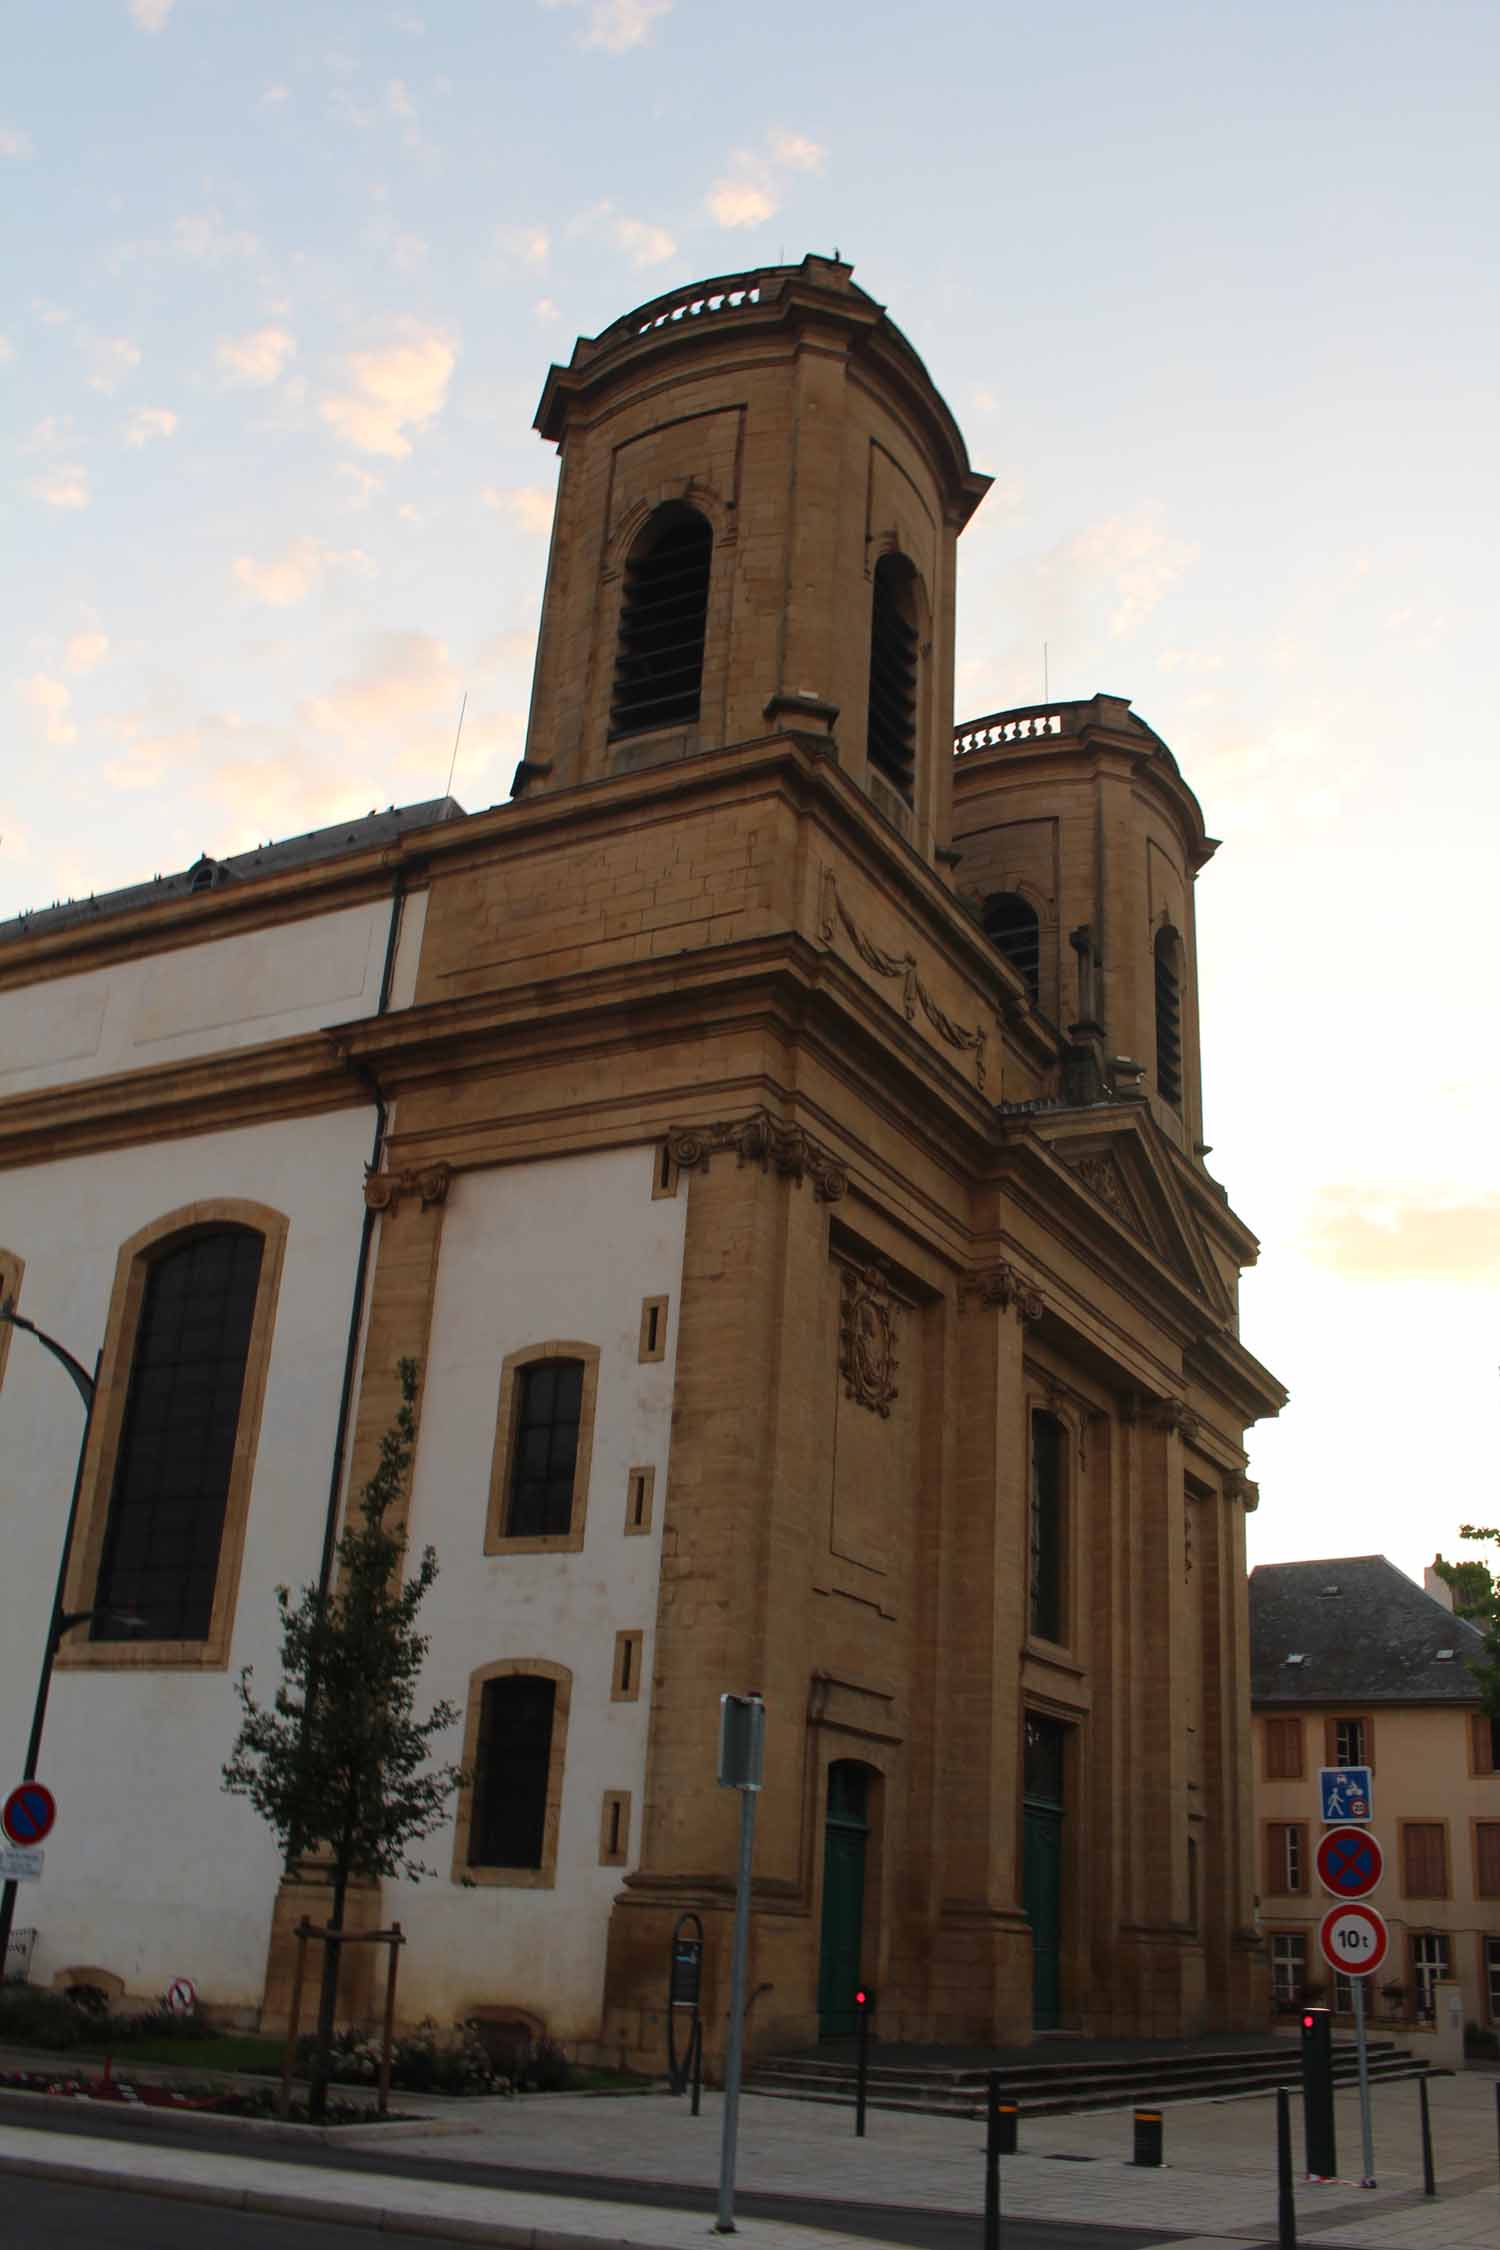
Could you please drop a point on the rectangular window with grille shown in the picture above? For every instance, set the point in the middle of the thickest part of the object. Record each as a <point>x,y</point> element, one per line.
<point>546,1449</point>
<point>1424,1859</point>
<point>1485,1742</point>
<point>1286,1857</point>
<point>1492,1976</point>
<point>1047,1441</point>
<point>1431,1962</point>
<point>1351,1742</point>
<point>1282,1742</point>
<point>1288,1966</point>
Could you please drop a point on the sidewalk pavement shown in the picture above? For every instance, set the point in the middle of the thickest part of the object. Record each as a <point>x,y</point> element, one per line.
<point>1216,2190</point>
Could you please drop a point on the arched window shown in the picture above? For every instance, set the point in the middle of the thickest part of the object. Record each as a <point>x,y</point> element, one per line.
<point>1015,930</point>
<point>167,1479</point>
<point>891,738</point>
<point>663,619</point>
<point>544,1434</point>
<point>160,1556</point>
<point>1169,1016</point>
<point>515,1744</point>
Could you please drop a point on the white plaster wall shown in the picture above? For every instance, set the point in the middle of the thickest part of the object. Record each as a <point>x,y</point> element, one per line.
<point>151,1870</point>
<point>564,1249</point>
<point>199,999</point>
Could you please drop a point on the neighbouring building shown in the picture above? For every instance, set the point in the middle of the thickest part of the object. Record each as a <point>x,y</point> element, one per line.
<point>1357,1665</point>
<point>777,1135</point>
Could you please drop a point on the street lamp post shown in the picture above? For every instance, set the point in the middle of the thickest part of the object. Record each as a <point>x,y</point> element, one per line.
<point>62,1620</point>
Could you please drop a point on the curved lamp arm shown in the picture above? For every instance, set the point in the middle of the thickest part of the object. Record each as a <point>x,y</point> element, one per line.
<point>81,1379</point>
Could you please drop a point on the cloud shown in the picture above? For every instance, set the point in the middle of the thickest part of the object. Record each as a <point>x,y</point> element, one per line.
<point>85,650</point>
<point>1373,1237</point>
<point>529,505</point>
<point>274,95</point>
<point>151,15</point>
<point>1139,562</point>
<point>257,358</point>
<point>289,578</point>
<point>644,245</point>
<point>398,100</point>
<point>364,482</point>
<point>113,357</point>
<point>523,245</point>
<point>13,142</point>
<point>53,701</point>
<point>615,25</point>
<point>404,386</point>
<point>204,240</point>
<point>7,350</point>
<point>66,486</point>
<point>749,192</point>
<point>544,310</point>
<point>405,684</point>
<point>149,422</point>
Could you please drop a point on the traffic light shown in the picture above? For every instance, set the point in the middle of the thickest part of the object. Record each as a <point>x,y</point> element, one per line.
<point>1317,2092</point>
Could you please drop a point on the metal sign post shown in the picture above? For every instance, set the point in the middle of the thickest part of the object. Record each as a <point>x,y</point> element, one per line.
<point>1353,1940</point>
<point>742,1753</point>
<point>1366,2127</point>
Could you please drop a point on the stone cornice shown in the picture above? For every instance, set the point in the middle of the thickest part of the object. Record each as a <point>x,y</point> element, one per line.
<point>760,1138</point>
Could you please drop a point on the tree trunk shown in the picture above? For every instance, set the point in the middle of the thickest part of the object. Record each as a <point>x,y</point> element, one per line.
<point>317,2092</point>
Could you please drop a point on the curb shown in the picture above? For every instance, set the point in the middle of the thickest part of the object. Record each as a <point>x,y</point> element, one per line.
<point>24,2107</point>
<point>268,2203</point>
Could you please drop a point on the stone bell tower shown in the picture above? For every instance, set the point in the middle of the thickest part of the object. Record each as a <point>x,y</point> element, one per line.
<point>1079,842</point>
<point>759,504</point>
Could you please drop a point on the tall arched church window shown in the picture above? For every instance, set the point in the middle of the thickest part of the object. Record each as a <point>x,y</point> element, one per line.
<point>1015,930</point>
<point>663,620</point>
<point>1169,1016</point>
<point>891,740</point>
<point>1048,1500</point>
<point>159,1561</point>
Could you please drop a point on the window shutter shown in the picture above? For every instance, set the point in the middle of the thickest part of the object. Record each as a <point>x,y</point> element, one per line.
<point>1484,1731</point>
<point>1487,1858</point>
<point>1424,1872</point>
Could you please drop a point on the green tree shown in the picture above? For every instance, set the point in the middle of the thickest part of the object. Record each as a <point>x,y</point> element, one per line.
<point>1482,1608</point>
<point>337,1763</point>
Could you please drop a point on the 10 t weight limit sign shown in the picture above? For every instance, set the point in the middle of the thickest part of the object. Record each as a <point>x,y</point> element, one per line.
<point>1353,1939</point>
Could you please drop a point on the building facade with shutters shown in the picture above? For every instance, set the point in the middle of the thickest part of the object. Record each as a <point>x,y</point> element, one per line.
<point>1357,1665</point>
<point>777,1135</point>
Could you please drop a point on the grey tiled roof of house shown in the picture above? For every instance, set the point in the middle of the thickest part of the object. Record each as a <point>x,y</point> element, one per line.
<point>208,874</point>
<point>1365,1634</point>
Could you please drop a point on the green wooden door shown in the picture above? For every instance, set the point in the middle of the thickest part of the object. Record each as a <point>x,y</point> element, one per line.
<point>1042,1792</point>
<point>845,1836</point>
<point>1043,1896</point>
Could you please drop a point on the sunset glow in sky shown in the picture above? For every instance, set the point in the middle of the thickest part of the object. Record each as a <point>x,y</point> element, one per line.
<point>1212,291</point>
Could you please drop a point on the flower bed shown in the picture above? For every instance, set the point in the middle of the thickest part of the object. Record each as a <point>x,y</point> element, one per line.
<point>131,2093</point>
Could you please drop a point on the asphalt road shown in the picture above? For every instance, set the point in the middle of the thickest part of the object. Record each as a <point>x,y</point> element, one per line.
<point>56,2215</point>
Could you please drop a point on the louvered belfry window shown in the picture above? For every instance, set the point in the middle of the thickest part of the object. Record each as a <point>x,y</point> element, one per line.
<point>160,1560</point>
<point>1169,1017</point>
<point>663,620</point>
<point>891,742</point>
<point>1013,928</point>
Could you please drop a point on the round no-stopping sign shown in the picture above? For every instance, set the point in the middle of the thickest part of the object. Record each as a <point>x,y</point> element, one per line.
<point>1350,1862</point>
<point>1353,1939</point>
<point>28,1813</point>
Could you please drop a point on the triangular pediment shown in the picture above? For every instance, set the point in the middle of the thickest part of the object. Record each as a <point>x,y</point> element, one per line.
<point>1130,1182</point>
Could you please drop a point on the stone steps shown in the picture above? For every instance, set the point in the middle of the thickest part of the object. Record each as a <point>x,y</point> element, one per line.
<point>1044,2089</point>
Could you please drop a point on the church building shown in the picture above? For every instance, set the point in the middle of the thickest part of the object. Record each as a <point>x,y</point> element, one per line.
<point>776,1133</point>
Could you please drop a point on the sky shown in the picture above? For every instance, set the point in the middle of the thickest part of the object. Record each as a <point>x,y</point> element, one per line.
<point>1211,290</point>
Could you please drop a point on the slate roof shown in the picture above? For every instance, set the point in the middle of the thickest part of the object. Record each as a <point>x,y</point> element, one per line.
<point>372,829</point>
<point>1375,1640</point>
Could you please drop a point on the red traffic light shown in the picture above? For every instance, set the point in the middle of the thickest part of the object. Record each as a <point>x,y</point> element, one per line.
<point>861,1999</point>
<point>1308,2022</point>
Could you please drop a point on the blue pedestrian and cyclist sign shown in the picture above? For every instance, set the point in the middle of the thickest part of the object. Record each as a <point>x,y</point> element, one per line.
<point>1346,1792</point>
<point>28,1813</point>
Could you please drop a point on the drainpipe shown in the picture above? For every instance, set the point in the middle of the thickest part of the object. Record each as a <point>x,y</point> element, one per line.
<point>362,1263</point>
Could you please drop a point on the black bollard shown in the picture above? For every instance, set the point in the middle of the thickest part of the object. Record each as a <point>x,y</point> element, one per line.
<point>992,2138</point>
<point>1286,2209</point>
<point>1147,2136</point>
<point>863,2002</point>
<point>697,2066</point>
<point>1429,2178</point>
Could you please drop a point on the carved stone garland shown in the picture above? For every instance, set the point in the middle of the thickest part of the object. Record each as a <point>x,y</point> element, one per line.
<point>765,1140</point>
<point>867,1339</point>
<point>832,911</point>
